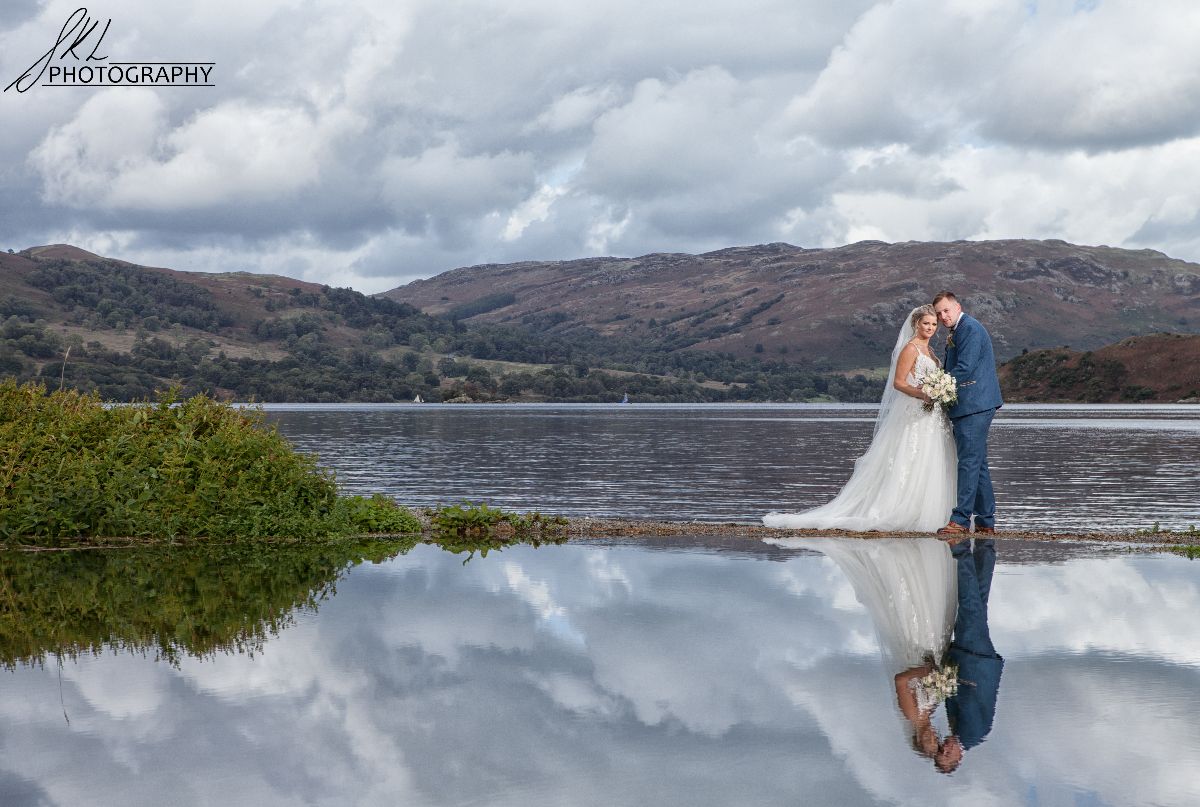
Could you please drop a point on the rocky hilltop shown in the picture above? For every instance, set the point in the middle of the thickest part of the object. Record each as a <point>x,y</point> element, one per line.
<point>836,307</point>
<point>1160,368</point>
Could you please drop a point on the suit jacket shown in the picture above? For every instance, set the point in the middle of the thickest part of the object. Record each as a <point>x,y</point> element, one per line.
<point>969,358</point>
<point>971,712</point>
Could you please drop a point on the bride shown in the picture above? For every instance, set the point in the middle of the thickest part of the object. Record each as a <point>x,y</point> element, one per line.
<point>906,481</point>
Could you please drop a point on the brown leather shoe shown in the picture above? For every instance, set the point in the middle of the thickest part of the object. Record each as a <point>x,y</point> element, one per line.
<point>952,528</point>
<point>985,530</point>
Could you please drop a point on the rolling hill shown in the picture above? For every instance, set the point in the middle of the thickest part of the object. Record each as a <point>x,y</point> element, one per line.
<point>771,322</point>
<point>837,307</point>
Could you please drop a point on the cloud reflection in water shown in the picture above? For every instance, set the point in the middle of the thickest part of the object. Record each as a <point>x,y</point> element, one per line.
<point>622,675</point>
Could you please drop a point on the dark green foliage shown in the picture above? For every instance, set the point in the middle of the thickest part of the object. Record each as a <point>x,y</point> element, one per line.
<point>377,514</point>
<point>30,338</point>
<point>70,467</point>
<point>481,306</point>
<point>1089,380</point>
<point>173,601</point>
<point>120,294</point>
<point>467,518</point>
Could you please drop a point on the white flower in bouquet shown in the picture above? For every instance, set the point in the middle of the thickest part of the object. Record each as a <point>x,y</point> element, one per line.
<point>941,683</point>
<point>941,387</point>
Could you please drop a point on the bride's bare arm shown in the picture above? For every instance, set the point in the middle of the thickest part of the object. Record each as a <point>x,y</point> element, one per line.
<point>905,698</point>
<point>904,367</point>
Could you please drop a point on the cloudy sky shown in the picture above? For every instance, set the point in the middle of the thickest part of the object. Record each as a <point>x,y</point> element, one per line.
<point>371,142</point>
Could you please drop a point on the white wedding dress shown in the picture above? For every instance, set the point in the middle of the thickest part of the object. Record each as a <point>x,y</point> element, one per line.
<point>907,479</point>
<point>909,586</point>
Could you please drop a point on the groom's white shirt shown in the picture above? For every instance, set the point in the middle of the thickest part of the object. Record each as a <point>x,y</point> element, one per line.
<point>960,316</point>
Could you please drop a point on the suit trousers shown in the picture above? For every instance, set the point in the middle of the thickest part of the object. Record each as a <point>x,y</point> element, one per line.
<point>975,496</point>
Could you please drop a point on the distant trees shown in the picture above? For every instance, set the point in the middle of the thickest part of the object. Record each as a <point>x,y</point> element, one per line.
<point>122,295</point>
<point>316,327</point>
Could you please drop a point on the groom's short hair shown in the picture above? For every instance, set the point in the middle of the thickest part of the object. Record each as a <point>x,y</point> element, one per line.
<point>944,295</point>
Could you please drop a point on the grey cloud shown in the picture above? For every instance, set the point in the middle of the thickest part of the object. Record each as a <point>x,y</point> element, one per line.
<point>432,135</point>
<point>1079,81</point>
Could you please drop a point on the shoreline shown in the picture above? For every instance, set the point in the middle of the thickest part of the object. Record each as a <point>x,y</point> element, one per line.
<point>630,528</point>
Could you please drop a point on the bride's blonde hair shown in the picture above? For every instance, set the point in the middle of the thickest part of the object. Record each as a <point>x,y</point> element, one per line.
<point>920,314</point>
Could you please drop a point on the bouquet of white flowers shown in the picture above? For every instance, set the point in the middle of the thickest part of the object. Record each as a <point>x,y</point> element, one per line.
<point>941,387</point>
<point>941,683</point>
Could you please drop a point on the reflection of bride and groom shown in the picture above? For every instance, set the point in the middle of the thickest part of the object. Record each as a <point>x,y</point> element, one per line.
<point>928,599</point>
<point>930,611</point>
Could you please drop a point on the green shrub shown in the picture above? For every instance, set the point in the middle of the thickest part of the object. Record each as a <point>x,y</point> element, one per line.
<point>479,519</point>
<point>378,514</point>
<point>70,466</point>
<point>466,517</point>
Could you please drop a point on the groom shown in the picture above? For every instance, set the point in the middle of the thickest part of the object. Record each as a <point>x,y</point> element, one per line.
<point>969,358</point>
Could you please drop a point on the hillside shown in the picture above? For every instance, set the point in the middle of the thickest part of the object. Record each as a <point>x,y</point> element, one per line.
<point>74,318</point>
<point>1161,368</point>
<point>838,307</point>
<point>586,335</point>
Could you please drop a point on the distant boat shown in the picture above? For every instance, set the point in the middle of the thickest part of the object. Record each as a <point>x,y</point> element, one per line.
<point>418,399</point>
<point>626,398</point>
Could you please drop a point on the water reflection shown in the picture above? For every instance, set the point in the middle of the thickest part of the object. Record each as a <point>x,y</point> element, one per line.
<point>623,675</point>
<point>929,607</point>
<point>169,601</point>
<point>972,709</point>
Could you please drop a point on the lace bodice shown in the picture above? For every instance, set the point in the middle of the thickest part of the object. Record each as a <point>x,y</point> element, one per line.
<point>923,367</point>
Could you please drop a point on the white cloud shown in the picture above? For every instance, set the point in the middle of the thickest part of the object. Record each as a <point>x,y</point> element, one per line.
<point>113,131</point>
<point>577,108</point>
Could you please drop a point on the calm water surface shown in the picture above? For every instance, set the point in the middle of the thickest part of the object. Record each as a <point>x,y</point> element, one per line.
<point>617,673</point>
<point>1055,467</point>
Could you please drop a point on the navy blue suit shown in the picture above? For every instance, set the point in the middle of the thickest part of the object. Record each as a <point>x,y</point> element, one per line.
<point>972,710</point>
<point>969,358</point>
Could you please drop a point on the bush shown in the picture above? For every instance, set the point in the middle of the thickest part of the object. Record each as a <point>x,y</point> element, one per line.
<point>71,467</point>
<point>378,514</point>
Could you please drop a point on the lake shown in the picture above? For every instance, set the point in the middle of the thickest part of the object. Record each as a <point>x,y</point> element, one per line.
<point>1055,467</point>
<point>681,671</point>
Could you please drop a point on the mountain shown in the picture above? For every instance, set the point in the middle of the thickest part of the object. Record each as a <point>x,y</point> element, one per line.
<point>1160,368</point>
<point>660,327</point>
<point>73,318</point>
<point>837,307</point>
